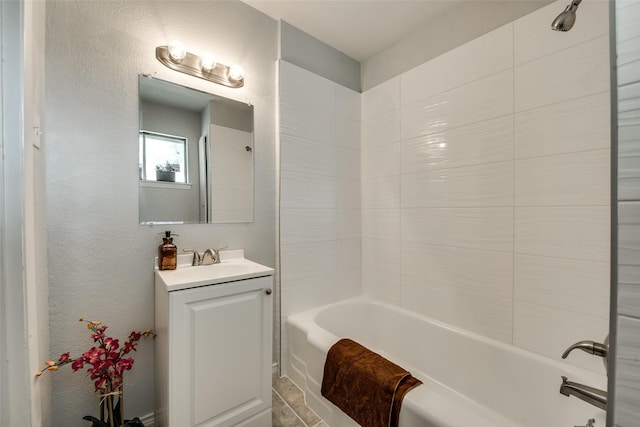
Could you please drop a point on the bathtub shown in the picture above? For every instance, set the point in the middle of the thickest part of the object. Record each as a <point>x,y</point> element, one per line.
<point>469,380</point>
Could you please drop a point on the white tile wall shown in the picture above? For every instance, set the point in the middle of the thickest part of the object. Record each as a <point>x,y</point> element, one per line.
<point>319,216</point>
<point>478,192</point>
<point>627,378</point>
<point>499,207</point>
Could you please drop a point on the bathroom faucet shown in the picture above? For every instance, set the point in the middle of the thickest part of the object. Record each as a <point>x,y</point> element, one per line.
<point>590,347</point>
<point>196,257</point>
<point>212,256</point>
<point>591,395</point>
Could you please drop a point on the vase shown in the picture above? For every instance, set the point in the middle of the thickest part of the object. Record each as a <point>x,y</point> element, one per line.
<point>167,176</point>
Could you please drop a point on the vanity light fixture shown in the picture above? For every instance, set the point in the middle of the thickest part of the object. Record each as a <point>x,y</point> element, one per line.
<point>206,67</point>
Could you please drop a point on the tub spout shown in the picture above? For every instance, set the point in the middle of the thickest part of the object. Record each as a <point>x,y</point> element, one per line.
<point>591,395</point>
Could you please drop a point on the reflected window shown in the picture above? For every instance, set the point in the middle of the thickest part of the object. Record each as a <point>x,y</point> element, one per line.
<point>163,158</point>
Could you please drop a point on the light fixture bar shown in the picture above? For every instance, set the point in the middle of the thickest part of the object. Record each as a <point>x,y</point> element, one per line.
<point>191,64</point>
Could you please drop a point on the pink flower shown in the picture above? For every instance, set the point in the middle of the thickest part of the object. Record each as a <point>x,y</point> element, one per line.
<point>77,364</point>
<point>100,384</point>
<point>64,357</point>
<point>111,344</point>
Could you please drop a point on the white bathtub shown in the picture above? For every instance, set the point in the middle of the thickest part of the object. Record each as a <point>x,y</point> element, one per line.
<point>469,380</point>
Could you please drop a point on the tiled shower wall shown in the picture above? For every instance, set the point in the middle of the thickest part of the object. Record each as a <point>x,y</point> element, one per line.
<point>485,185</point>
<point>627,409</point>
<point>319,191</point>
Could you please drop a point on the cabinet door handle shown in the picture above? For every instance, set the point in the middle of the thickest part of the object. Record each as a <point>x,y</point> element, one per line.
<point>267,291</point>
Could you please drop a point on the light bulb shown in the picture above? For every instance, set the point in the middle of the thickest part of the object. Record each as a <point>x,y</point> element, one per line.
<point>177,51</point>
<point>235,72</point>
<point>208,61</point>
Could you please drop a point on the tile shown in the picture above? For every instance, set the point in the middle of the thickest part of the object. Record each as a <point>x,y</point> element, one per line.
<point>381,130</point>
<point>381,285</point>
<point>383,192</point>
<point>282,415</point>
<point>627,52</point>
<point>627,371</point>
<point>469,186</point>
<point>628,297</point>
<point>479,312</point>
<point>381,99</point>
<point>556,283</point>
<point>294,397</point>
<point>307,225</point>
<point>309,123</point>
<point>381,270</point>
<point>627,21</point>
<point>550,331</point>
<point>348,223</point>
<point>348,283</point>
<point>484,271</point>
<point>307,259</point>
<point>487,141</point>
<point>629,105</point>
<point>307,156</point>
<point>347,254</point>
<point>577,125</point>
<point>564,180</point>
<point>304,89</point>
<point>584,71</point>
<point>381,255</point>
<point>305,293</point>
<point>473,228</point>
<point>533,39</point>
<point>628,233</point>
<point>381,224</point>
<point>564,232</point>
<point>307,191</point>
<point>347,133</point>
<point>347,102</point>
<point>477,101</point>
<point>381,161</point>
<point>628,72</point>
<point>347,193</point>
<point>347,163</point>
<point>481,57</point>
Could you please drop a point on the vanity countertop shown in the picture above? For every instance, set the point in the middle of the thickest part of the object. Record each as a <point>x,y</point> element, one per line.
<point>233,266</point>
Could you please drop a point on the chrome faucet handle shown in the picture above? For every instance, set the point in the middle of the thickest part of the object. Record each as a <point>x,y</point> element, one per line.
<point>217,251</point>
<point>196,257</point>
<point>209,257</point>
<point>591,347</point>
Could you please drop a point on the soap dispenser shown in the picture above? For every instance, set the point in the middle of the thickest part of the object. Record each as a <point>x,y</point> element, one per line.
<point>167,253</point>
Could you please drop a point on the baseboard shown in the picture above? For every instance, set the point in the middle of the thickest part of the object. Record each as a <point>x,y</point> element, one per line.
<point>148,420</point>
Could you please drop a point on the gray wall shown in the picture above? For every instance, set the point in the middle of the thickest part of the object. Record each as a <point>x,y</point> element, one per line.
<point>305,51</point>
<point>627,361</point>
<point>100,258</point>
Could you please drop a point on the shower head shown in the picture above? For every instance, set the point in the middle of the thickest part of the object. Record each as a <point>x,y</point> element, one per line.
<point>565,21</point>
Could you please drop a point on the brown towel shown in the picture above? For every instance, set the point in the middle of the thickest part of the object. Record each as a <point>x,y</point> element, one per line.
<point>365,385</point>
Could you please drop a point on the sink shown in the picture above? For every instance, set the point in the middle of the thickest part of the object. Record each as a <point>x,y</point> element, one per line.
<point>233,266</point>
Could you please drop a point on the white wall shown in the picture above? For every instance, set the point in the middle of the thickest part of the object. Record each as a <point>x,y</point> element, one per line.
<point>319,191</point>
<point>627,381</point>
<point>24,334</point>
<point>100,259</point>
<point>485,185</point>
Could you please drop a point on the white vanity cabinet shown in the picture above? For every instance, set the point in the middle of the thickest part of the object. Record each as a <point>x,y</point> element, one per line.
<point>213,347</point>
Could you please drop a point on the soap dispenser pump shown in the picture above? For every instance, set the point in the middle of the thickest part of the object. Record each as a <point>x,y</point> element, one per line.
<point>167,253</point>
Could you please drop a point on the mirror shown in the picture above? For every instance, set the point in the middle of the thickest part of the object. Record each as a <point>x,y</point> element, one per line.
<point>195,156</point>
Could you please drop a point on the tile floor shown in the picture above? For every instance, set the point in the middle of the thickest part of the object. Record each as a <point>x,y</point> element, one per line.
<point>289,408</point>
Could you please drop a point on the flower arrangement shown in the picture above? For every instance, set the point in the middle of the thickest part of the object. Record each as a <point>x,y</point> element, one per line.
<point>106,363</point>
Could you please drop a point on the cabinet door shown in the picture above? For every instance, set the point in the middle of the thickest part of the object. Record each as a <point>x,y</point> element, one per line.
<point>220,353</point>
